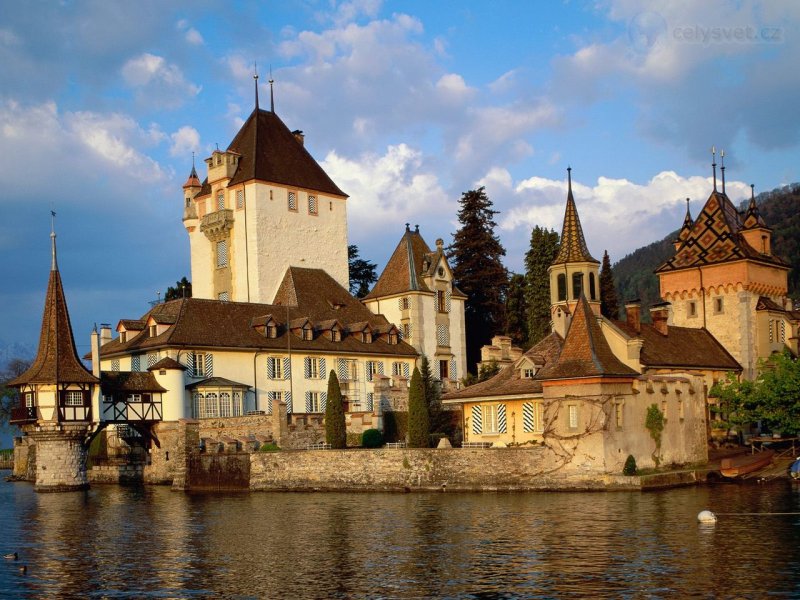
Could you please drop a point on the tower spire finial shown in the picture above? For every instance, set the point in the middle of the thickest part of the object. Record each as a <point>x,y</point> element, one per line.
<point>753,193</point>
<point>714,165</point>
<point>271,96</point>
<point>255,79</point>
<point>722,168</point>
<point>54,264</point>
<point>569,179</point>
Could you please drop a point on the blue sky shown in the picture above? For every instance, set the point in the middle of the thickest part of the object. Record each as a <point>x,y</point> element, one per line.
<point>406,105</point>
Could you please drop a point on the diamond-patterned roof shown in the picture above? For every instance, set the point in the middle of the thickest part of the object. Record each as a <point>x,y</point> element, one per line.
<point>715,238</point>
<point>572,247</point>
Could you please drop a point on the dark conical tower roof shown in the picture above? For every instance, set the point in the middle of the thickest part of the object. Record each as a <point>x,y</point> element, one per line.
<point>686,228</point>
<point>752,218</point>
<point>572,247</point>
<point>56,360</point>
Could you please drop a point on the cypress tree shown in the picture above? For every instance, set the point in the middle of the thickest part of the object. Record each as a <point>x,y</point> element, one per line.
<point>418,420</point>
<point>517,311</point>
<point>475,256</point>
<point>335,426</point>
<point>542,253</point>
<point>609,303</point>
<point>433,396</point>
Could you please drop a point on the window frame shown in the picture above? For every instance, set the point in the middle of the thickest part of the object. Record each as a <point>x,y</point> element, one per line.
<point>277,367</point>
<point>490,425</point>
<point>313,205</point>
<point>292,195</point>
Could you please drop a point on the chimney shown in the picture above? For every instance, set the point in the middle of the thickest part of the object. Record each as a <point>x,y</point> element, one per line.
<point>633,312</point>
<point>95,352</point>
<point>659,313</point>
<point>105,333</point>
<point>299,136</point>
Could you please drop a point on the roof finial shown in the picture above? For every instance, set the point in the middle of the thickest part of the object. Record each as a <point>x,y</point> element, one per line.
<point>54,264</point>
<point>722,168</point>
<point>687,207</point>
<point>194,171</point>
<point>408,226</point>
<point>714,165</point>
<point>255,79</point>
<point>416,228</point>
<point>752,192</point>
<point>271,95</point>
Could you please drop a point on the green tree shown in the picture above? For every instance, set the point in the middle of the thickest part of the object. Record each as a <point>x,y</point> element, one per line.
<point>609,304</point>
<point>488,370</point>
<point>335,425</point>
<point>418,418</point>
<point>736,404</point>
<point>431,389</point>
<point>542,253</point>
<point>777,393</point>
<point>9,398</point>
<point>517,311</point>
<point>182,289</point>
<point>475,256</point>
<point>362,273</point>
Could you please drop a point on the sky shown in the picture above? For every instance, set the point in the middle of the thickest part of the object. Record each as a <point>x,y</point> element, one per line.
<point>405,104</point>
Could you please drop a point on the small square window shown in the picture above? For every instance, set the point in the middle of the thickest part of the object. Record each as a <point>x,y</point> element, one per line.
<point>293,201</point>
<point>718,306</point>
<point>221,201</point>
<point>691,308</point>
<point>313,206</point>
<point>240,199</point>
<point>528,373</point>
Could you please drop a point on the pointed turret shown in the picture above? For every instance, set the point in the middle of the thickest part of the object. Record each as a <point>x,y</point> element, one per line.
<point>574,271</point>
<point>686,228</point>
<point>754,228</point>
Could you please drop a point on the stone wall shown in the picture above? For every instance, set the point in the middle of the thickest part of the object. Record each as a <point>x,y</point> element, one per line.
<point>24,458</point>
<point>124,473</point>
<point>408,469</point>
<point>220,472</point>
<point>60,456</point>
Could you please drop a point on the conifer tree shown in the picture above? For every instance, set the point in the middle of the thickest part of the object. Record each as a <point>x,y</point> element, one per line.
<point>418,419</point>
<point>433,395</point>
<point>517,311</point>
<point>609,304</point>
<point>475,256</point>
<point>542,253</point>
<point>335,425</point>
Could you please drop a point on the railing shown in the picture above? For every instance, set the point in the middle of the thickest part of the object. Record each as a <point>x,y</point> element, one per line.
<point>318,446</point>
<point>476,444</point>
<point>6,459</point>
<point>121,411</point>
<point>23,414</point>
<point>396,445</point>
<point>217,221</point>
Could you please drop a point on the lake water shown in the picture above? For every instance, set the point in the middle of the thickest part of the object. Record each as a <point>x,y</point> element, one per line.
<point>131,542</point>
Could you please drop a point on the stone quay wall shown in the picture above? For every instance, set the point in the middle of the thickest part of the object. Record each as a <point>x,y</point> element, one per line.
<point>420,469</point>
<point>60,456</point>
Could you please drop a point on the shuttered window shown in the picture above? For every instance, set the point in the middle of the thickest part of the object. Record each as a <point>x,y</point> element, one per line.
<point>222,253</point>
<point>240,199</point>
<point>293,201</point>
<point>528,418</point>
<point>313,206</point>
<point>477,420</point>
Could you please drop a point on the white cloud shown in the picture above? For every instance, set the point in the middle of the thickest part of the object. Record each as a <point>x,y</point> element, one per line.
<point>185,140</point>
<point>190,34</point>
<point>158,82</point>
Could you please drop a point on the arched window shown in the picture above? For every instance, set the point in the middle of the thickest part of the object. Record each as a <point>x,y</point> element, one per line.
<point>199,405</point>
<point>212,409</point>
<point>237,404</point>
<point>592,287</point>
<point>577,285</point>
<point>224,404</point>
<point>562,287</point>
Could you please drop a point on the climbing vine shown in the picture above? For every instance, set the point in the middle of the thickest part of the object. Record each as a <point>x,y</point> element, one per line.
<point>654,422</point>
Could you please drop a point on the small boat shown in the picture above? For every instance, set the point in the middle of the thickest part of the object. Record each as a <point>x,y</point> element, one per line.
<point>794,470</point>
<point>746,463</point>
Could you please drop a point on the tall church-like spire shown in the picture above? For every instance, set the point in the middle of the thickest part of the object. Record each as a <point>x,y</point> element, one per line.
<point>572,246</point>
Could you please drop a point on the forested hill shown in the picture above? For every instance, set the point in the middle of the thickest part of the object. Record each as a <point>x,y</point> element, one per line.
<point>780,208</point>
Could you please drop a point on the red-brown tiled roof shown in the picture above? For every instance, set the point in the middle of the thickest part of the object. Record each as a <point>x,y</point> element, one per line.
<point>214,324</point>
<point>586,352</point>
<point>270,152</point>
<point>508,381</point>
<point>682,347</point>
<point>56,359</point>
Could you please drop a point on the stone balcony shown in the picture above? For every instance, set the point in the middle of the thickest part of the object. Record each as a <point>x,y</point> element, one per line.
<point>216,224</point>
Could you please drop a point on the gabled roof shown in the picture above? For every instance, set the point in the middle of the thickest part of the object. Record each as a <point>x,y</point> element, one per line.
<point>129,381</point>
<point>411,261</point>
<point>681,348</point>
<point>508,381</point>
<point>715,238</point>
<point>586,352</point>
<point>270,152</point>
<point>167,363</point>
<point>572,246</point>
<point>130,325</point>
<point>56,359</point>
<point>203,323</point>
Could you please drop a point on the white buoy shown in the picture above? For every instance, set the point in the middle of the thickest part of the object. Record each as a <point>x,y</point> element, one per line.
<point>706,516</point>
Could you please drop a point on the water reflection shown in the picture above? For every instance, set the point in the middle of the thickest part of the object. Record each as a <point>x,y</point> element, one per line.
<point>113,541</point>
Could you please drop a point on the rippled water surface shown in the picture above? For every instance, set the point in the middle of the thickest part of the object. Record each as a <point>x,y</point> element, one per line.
<point>128,542</point>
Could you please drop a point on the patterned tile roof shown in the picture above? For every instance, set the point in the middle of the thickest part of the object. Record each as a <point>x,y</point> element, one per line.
<point>572,246</point>
<point>586,352</point>
<point>270,152</point>
<point>309,294</point>
<point>56,359</point>
<point>686,228</point>
<point>752,218</point>
<point>715,238</point>
<point>509,381</point>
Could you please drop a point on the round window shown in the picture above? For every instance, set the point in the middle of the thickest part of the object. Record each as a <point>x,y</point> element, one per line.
<point>441,271</point>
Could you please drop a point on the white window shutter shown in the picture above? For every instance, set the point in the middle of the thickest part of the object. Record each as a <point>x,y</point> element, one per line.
<point>370,401</point>
<point>501,418</point>
<point>287,367</point>
<point>453,374</point>
<point>527,417</point>
<point>323,401</point>
<point>406,369</point>
<point>270,368</point>
<point>209,365</point>
<point>190,362</point>
<point>269,402</point>
<point>288,403</point>
<point>380,368</point>
<point>323,373</point>
<point>307,367</point>
<point>308,402</point>
<point>447,301</point>
<point>477,420</point>
<point>342,370</point>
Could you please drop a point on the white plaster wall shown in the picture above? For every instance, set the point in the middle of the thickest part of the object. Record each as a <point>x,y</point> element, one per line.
<point>201,263</point>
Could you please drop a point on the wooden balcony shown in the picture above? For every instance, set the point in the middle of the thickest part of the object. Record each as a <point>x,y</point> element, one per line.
<point>21,415</point>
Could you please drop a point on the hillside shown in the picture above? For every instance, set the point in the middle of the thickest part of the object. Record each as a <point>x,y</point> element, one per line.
<point>634,275</point>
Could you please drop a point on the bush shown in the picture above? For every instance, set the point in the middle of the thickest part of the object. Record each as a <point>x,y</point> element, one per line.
<point>630,466</point>
<point>372,438</point>
<point>269,447</point>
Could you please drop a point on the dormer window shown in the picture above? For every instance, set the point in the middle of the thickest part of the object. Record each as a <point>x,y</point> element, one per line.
<point>366,337</point>
<point>308,334</point>
<point>123,337</point>
<point>392,339</point>
<point>271,330</point>
<point>528,372</point>
<point>336,335</point>
<point>153,330</point>
<point>441,271</point>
